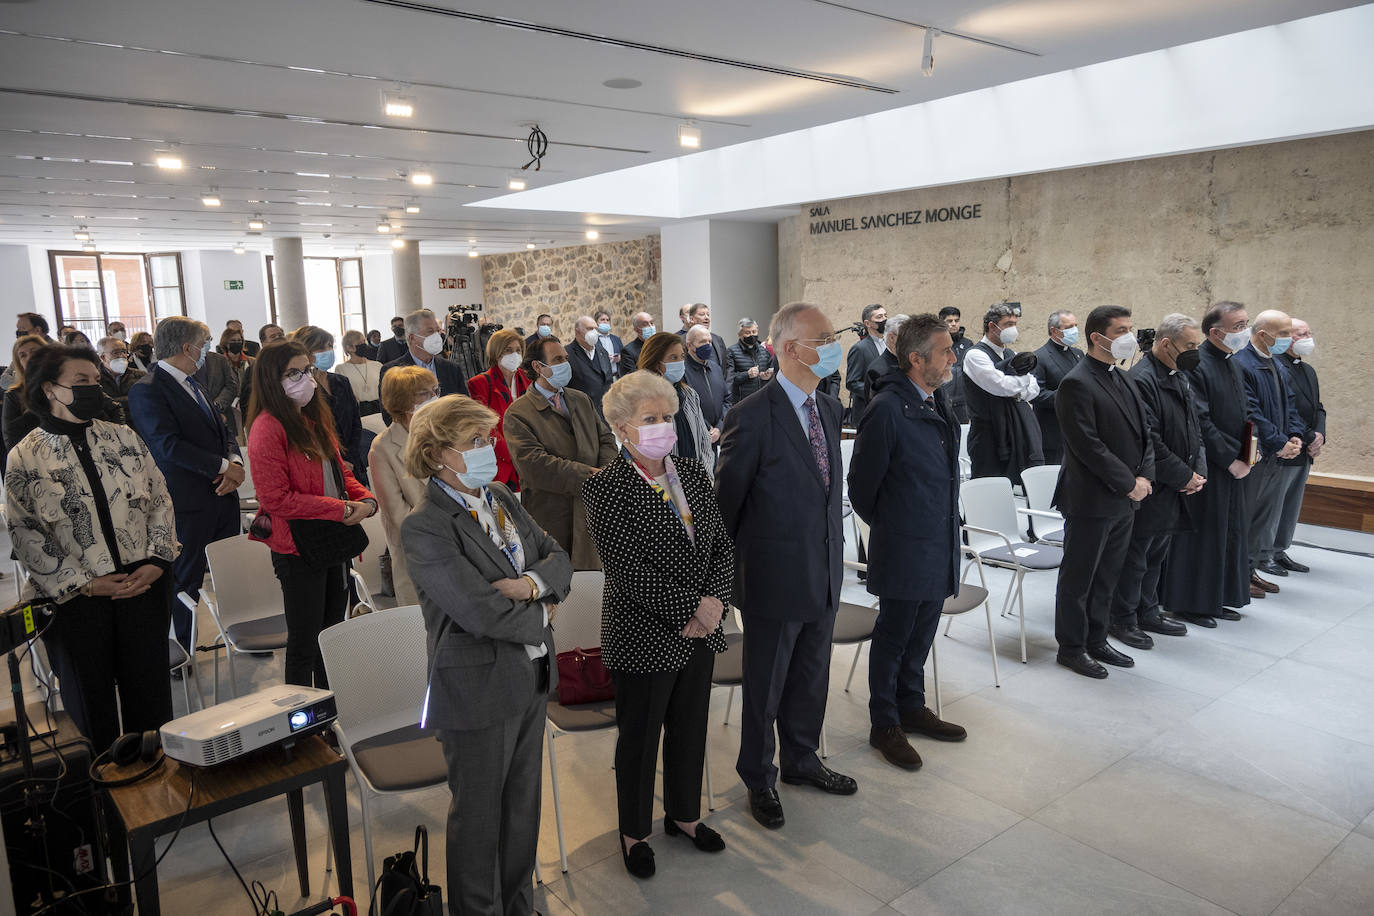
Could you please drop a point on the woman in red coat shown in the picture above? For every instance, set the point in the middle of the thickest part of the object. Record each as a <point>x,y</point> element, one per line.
<point>497,388</point>
<point>299,473</point>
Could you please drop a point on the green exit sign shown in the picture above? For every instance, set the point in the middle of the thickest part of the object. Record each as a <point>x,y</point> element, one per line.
<point>233,284</point>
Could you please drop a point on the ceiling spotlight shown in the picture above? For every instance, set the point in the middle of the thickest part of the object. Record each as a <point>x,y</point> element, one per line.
<point>239,249</point>
<point>398,105</point>
<point>167,159</point>
<point>688,136</point>
<point>398,242</point>
<point>256,223</point>
<point>81,235</point>
<point>211,199</point>
<point>515,183</point>
<point>529,246</point>
<point>472,252</point>
<point>928,54</point>
<point>412,206</point>
<point>88,247</point>
<point>383,226</point>
<point>593,235</point>
<point>423,179</point>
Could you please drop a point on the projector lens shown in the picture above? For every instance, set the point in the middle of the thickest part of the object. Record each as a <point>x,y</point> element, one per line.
<point>299,719</point>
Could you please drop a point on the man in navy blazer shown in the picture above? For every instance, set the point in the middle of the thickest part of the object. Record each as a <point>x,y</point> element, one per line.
<point>779,483</point>
<point>193,449</point>
<point>904,482</point>
<point>424,342</point>
<point>592,372</point>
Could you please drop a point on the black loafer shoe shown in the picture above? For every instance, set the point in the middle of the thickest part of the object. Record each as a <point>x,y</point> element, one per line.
<point>1134,637</point>
<point>766,808</point>
<point>705,839</point>
<point>1109,656</point>
<point>1271,569</point>
<point>1198,620</point>
<point>1165,626</point>
<point>1082,664</point>
<point>1227,614</point>
<point>639,860</point>
<point>1287,562</point>
<point>925,722</point>
<point>825,779</point>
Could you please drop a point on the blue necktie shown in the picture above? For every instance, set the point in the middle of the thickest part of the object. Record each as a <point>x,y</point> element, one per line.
<point>200,397</point>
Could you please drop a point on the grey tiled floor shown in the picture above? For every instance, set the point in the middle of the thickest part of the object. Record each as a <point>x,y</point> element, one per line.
<point>1230,771</point>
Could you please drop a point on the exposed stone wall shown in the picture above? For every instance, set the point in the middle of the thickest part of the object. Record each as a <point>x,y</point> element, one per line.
<point>621,277</point>
<point>1284,225</point>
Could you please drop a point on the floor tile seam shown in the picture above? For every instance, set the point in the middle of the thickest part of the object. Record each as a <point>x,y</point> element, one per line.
<point>1297,887</point>
<point>1310,724</point>
<point>1132,672</point>
<point>1316,636</point>
<point>1020,818</point>
<point>1104,768</point>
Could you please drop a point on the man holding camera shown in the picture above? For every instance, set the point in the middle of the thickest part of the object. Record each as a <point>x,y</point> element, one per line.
<point>1004,436</point>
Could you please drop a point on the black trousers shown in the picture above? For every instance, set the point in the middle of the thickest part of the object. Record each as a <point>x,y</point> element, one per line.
<point>312,599</point>
<point>98,645</point>
<point>675,703</point>
<point>896,661</point>
<point>1137,587</point>
<point>786,683</point>
<point>195,530</point>
<point>1094,550</point>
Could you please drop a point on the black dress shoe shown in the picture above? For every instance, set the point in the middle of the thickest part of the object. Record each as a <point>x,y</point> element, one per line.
<point>1198,620</point>
<point>1287,562</point>
<point>1082,664</point>
<point>896,750</point>
<point>766,808</point>
<point>639,859</point>
<point>1227,614</point>
<point>925,722</point>
<point>825,779</point>
<point>1134,637</point>
<point>1109,656</point>
<point>1271,569</point>
<point>1165,626</point>
<point>705,839</point>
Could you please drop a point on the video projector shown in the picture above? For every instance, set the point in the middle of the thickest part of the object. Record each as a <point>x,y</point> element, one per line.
<point>272,716</point>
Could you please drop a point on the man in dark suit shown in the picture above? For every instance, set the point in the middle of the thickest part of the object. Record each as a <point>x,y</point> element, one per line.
<point>424,343</point>
<point>394,347</point>
<point>1180,471</point>
<point>1108,465</point>
<point>881,369</point>
<point>904,481</point>
<point>543,327</point>
<point>1055,358</point>
<point>779,486</point>
<point>644,329</point>
<point>861,354</point>
<point>954,388</point>
<point>194,451</point>
<point>1307,396</point>
<point>705,376</point>
<point>592,372</point>
<point>610,342</point>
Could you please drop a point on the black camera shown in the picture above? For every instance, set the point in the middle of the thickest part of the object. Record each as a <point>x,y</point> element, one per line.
<point>1145,337</point>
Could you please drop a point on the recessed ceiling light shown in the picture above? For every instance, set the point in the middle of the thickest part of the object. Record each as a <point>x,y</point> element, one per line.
<point>689,136</point>
<point>383,226</point>
<point>515,183</point>
<point>529,246</point>
<point>472,252</point>
<point>167,160</point>
<point>88,247</point>
<point>622,82</point>
<point>413,206</point>
<point>398,243</point>
<point>398,105</point>
<point>422,179</point>
<point>82,235</point>
<point>472,241</point>
<point>239,249</point>
<point>593,235</point>
<point>256,223</point>
<point>211,198</point>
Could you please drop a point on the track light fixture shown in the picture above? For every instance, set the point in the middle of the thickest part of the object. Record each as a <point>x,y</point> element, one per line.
<point>472,252</point>
<point>383,225</point>
<point>412,206</point>
<point>529,246</point>
<point>239,249</point>
<point>398,242</point>
<point>257,224</point>
<point>928,53</point>
<point>398,105</point>
<point>82,234</point>
<point>593,235</point>
<point>89,247</point>
<point>211,198</point>
<point>421,179</point>
<point>515,183</point>
<point>688,136</point>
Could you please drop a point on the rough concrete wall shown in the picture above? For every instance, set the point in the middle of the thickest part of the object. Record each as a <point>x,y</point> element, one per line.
<point>621,277</point>
<point>789,260</point>
<point>1285,225</point>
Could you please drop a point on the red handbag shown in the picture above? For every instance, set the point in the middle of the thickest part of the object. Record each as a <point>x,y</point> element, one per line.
<point>583,678</point>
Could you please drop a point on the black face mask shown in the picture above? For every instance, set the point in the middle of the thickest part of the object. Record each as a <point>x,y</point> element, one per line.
<point>882,327</point>
<point>751,341</point>
<point>399,333</point>
<point>1187,359</point>
<point>235,346</point>
<point>88,401</point>
<point>144,352</point>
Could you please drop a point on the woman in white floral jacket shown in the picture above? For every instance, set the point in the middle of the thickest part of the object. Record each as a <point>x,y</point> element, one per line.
<point>92,524</point>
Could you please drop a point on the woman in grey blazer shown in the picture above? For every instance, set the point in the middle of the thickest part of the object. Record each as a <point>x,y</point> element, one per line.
<point>488,578</point>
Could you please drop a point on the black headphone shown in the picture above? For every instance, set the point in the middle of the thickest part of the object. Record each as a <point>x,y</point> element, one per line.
<point>130,748</point>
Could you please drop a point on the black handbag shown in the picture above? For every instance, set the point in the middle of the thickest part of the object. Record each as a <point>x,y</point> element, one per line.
<point>322,543</point>
<point>403,888</point>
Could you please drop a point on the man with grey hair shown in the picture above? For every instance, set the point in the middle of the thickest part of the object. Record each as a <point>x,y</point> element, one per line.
<point>779,487</point>
<point>1307,395</point>
<point>644,329</point>
<point>748,360</point>
<point>705,376</point>
<point>1054,360</point>
<point>116,375</point>
<point>193,449</point>
<point>886,363</point>
<point>699,313</point>
<point>999,386</point>
<point>592,371</point>
<point>424,346</point>
<point>1161,378</point>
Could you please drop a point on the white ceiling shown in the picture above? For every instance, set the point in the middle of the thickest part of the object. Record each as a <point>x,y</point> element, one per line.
<point>73,108</point>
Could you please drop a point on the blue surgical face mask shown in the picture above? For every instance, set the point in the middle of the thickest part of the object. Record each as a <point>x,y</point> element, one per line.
<point>545,330</point>
<point>646,333</point>
<point>604,327</point>
<point>324,361</point>
<point>481,464</point>
<point>562,374</point>
<point>830,355</point>
<point>673,371</point>
<point>204,352</point>
<point>704,352</point>
<point>1071,337</point>
<point>1281,345</point>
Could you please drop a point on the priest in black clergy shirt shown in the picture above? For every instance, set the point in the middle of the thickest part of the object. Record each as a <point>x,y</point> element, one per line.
<point>1056,357</point>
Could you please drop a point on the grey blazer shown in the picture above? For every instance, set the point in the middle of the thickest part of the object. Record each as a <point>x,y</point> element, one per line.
<point>482,673</point>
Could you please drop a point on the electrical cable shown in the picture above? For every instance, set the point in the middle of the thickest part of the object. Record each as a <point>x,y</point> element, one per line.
<point>538,144</point>
<point>267,899</point>
<point>257,911</point>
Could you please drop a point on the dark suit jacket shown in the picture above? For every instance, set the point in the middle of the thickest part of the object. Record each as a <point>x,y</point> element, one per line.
<point>187,444</point>
<point>390,348</point>
<point>904,482</point>
<point>1220,393</point>
<point>590,375</point>
<point>655,576</point>
<point>450,377</point>
<point>1307,397</point>
<point>482,673</point>
<point>1106,442</point>
<point>1054,363</point>
<point>789,540</point>
<point>629,356</point>
<point>1177,441</point>
<point>708,382</point>
<point>861,355</point>
<point>1269,400</point>
<point>877,377</point>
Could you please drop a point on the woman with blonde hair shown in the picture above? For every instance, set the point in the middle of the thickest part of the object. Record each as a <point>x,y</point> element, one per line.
<point>404,390</point>
<point>496,388</point>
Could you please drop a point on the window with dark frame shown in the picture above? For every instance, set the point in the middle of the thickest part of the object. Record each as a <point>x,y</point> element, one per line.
<point>90,290</point>
<point>352,302</point>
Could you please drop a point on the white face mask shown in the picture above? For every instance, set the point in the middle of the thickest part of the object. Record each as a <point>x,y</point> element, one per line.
<point>1125,346</point>
<point>1009,335</point>
<point>434,344</point>
<point>1236,339</point>
<point>1305,346</point>
<point>590,338</point>
<point>511,361</point>
<point>118,366</point>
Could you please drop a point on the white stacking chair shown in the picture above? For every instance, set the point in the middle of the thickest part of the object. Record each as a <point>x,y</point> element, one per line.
<point>248,495</point>
<point>368,568</point>
<point>375,423</point>
<point>178,659</point>
<point>965,462</point>
<point>376,667</point>
<point>245,601</point>
<point>994,534</point>
<point>969,597</point>
<point>1039,483</point>
<point>728,672</point>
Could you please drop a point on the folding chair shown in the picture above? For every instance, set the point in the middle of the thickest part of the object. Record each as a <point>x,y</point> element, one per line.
<point>369,565</point>
<point>244,600</point>
<point>248,496</point>
<point>965,462</point>
<point>728,672</point>
<point>1039,483</point>
<point>178,659</point>
<point>969,597</point>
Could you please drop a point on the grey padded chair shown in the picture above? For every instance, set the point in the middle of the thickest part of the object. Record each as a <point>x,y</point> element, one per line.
<point>245,601</point>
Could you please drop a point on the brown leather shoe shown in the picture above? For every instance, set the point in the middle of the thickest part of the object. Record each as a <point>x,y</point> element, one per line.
<point>1265,584</point>
<point>1256,591</point>
<point>896,750</point>
<point>925,722</point>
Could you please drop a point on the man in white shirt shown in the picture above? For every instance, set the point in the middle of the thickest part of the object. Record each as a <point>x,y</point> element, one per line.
<point>1004,436</point>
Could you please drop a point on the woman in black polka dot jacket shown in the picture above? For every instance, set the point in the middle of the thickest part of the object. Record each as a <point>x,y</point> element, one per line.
<point>669,565</point>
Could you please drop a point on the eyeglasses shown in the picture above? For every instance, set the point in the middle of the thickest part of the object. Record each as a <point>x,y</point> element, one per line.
<point>295,375</point>
<point>477,442</point>
<point>119,354</point>
<point>426,393</point>
<point>807,341</point>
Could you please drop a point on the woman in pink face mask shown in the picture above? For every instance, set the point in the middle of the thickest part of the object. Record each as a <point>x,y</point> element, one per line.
<point>669,565</point>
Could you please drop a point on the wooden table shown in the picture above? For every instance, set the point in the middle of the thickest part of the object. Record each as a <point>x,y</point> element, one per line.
<point>157,806</point>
